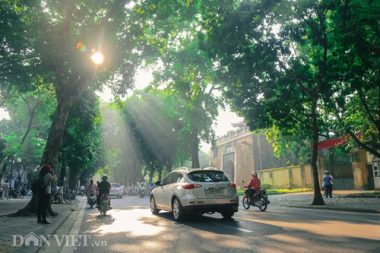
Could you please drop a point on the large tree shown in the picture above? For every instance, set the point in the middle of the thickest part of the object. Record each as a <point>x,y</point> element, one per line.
<point>60,37</point>
<point>154,118</point>
<point>354,61</point>
<point>188,74</point>
<point>295,66</point>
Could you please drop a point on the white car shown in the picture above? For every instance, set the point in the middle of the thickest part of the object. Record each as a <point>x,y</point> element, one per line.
<point>117,190</point>
<point>195,191</point>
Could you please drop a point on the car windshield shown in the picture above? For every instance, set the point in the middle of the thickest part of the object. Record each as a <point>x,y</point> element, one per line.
<point>115,185</point>
<point>207,176</point>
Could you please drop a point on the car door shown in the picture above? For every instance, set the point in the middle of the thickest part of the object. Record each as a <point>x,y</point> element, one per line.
<point>160,191</point>
<point>171,188</point>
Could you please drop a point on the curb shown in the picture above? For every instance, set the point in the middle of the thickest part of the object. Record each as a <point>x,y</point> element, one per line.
<point>50,230</point>
<point>333,208</point>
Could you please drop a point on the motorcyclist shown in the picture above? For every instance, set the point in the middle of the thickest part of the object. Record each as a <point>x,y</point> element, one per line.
<point>104,188</point>
<point>254,185</point>
<point>141,184</point>
<point>91,193</point>
<point>91,189</point>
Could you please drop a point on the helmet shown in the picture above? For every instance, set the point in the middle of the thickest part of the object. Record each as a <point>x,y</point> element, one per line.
<point>104,177</point>
<point>254,173</point>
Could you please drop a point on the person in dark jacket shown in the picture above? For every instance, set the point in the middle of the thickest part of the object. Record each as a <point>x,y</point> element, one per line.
<point>104,187</point>
<point>328,184</point>
<point>47,177</point>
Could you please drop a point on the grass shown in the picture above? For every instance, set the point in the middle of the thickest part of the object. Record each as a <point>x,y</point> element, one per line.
<point>279,191</point>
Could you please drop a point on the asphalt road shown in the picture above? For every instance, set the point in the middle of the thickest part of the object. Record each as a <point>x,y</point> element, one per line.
<point>130,227</point>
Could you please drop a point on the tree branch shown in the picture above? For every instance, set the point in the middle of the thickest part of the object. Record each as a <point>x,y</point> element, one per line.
<point>367,110</point>
<point>355,138</point>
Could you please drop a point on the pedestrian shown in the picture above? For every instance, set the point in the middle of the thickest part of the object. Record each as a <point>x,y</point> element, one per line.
<point>46,178</point>
<point>97,193</point>
<point>6,190</point>
<point>327,184</point>
<point>23,191</point>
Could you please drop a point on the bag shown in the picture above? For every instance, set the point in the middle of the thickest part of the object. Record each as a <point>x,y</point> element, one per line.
<point>323,184</point>
<point>38,186</point>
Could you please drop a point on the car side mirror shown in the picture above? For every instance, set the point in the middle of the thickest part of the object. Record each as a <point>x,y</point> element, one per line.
<point>158,183</point>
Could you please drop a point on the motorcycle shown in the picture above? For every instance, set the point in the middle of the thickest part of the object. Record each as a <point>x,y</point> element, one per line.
<point>142,193</point>
<point>260,200</point>
<point>104,200</point>
<point>58,195</point>
<point>91,200</point>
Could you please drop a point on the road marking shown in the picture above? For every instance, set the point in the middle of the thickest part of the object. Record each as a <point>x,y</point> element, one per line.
<point>76,228</point>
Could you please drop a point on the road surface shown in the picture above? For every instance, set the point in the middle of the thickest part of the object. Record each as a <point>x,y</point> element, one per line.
<point>130,227</point>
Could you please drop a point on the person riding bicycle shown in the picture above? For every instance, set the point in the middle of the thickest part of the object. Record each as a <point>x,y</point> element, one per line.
<point>253,186</point>
<point>104,188</point>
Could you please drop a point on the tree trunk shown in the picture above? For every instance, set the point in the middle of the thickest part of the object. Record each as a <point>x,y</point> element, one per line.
<point>57,131</point>
<point>318,200</point>
<point>151,169</point>
<point>194,150</point>
<point>52,149</point>
<point>159,173</point>
<point>73,180</point>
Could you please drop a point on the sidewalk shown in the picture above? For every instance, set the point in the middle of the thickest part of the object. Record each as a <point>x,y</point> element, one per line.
<point>8,206</point>
<point>15,228</point>
<point>343,200</point>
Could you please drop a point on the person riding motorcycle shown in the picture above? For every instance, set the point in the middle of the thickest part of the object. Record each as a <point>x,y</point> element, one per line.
<point>91,193</point>
<point>91,189</point>
<point>104,188</point>
<point>253,186</point>
<point>141,184</point>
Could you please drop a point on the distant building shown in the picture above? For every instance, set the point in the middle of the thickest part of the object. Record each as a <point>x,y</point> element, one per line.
<point>240,152</point>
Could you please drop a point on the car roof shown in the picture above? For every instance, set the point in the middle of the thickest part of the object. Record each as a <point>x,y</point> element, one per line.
<point>188,170</point>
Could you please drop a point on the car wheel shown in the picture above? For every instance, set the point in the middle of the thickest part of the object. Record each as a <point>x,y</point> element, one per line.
<point>177,209</point>
<point>153,207</point>
<point>227,214</point>
<point>246,202</point>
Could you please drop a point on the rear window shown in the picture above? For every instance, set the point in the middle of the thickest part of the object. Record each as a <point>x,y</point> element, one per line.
<point>207,176</point>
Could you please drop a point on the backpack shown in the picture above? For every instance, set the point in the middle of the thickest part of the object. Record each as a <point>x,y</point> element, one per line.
<point>38,186</point>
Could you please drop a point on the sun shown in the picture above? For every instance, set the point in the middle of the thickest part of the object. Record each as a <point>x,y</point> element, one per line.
<point>97,58</point>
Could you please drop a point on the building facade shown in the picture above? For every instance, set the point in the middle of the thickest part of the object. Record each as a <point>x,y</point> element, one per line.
<point>239,152</point>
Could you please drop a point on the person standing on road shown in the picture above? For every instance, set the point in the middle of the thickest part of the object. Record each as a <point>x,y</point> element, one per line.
<point>47,177</point>
<point>328,184</point>
<point>254,185</point>
<point>6,190</point>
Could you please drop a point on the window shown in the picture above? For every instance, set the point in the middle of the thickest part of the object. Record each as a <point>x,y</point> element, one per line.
<point>228,149</point>
<point>207,176</point>
<point>172,178</point>
<point>166,180</point>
